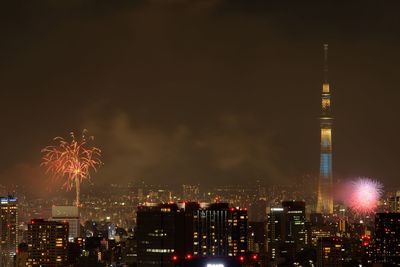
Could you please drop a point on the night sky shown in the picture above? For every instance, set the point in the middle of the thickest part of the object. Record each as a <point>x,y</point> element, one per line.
<point>200,91</point>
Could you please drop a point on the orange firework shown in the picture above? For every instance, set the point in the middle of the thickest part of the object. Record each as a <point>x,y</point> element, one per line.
<point>71,161</point>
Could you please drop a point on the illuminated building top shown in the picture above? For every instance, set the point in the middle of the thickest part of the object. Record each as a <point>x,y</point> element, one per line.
<point>6,200</point>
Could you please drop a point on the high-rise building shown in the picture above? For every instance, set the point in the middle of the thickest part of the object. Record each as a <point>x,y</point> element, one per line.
<point>325,198</point>
<point>47,243</point>
<point>220,231</point>
<point>317,228</point>
<point>294,224</point>
<point>162,232</point>
<point>274,232</point>
<point>329,252</point>
<point>286,231</point>
<point>387,238</point>
<point>168,233</point>
<point>130,251</point>
<point>257,239</point>
<point>69,214</point>
<point>315,232</point>
<point>8,230</point>
<point>395,202</point>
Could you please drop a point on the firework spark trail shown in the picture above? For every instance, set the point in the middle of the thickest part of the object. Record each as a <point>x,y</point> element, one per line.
<point>363,195</point>
<point>71,161</point>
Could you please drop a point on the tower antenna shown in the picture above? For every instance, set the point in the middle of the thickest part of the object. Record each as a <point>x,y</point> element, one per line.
<point>325,63</point>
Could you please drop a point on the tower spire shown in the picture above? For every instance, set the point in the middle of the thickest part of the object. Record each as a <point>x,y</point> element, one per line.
<point>326,63</point>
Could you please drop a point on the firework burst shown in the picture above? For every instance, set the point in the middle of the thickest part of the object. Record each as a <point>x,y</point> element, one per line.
<point>71,160</point>
<point>363,195</point>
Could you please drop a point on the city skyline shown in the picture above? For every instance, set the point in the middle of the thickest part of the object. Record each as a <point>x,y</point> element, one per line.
<point>199,133</point>
<point>202,105</point>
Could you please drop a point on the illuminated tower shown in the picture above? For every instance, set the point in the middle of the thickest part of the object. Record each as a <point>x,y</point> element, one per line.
<point>325,198</point>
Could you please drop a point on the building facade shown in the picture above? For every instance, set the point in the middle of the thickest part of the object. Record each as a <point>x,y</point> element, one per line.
<point>329,252</point>
<point>69,214</point>
<point>294,231</point>
<point>168,234</point>
<point>274,232</point>
<point>47,243</point>
<point>8,230</point>
<point>387,238</point>
<point>395,202</point>
<point>220,231</point>
<point>163,231</point>
<point>286,231</point>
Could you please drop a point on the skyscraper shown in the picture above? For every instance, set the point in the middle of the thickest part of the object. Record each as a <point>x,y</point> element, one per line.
<point>220,231</point>
<point>387,238</point>
<point>275,227</point>
<point>325,199</point>
<point>395,202</point>
<point>163,231</point>
<point>171,233</point>
<point>69,214</point>
<point>286,231</point>
<point>329,252</point>
<point>47,243</point>
<point>8,230</point>
<point>294,223</point>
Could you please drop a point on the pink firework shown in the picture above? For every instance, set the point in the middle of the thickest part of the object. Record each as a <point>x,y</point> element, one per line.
<point>363,195</point>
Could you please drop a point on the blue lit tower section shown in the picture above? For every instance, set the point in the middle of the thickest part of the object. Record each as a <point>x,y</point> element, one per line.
<point>325,198</point>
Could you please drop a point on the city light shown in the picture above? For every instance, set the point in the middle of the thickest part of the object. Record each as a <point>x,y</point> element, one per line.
<point>230,138</point>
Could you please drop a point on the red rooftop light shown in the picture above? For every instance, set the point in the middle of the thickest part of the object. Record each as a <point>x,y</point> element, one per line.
<point>174,258</point>
<point>241,258</point>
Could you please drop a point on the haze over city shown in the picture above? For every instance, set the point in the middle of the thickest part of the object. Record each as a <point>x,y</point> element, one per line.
<point>208,92</point>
